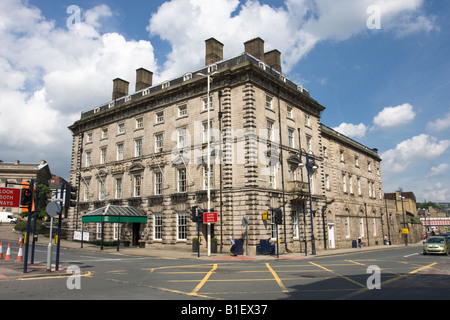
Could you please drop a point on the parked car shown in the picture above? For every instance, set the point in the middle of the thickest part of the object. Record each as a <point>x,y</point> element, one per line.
<point>7,217</point>
<point>436,244</point>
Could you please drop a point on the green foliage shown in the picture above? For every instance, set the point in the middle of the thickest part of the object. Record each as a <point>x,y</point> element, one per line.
<point>425,205</point>
<point>21,226</point>
<point>44,191</point>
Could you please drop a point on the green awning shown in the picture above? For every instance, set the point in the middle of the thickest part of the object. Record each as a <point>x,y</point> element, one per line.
<point>115,214</point>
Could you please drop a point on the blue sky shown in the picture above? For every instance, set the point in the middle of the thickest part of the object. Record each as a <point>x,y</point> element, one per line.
<point>386,87</point>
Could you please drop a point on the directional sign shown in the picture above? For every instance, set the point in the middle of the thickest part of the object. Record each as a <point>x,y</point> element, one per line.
<point>10,197</point>
<point>210,217</point>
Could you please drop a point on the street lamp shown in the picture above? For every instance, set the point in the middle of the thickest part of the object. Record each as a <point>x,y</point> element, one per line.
<point>208,170</point>
<point>309,170</point>
<point>403,210</point>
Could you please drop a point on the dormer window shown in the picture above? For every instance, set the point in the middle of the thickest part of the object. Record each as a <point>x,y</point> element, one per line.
<point>187,76</point>
<point>212,68</point>
<point>165,85</point>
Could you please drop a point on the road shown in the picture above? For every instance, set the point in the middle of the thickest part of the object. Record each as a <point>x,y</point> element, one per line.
<point>400,274</point>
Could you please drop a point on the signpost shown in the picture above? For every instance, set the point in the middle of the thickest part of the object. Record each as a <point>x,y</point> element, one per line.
<point>10,197</point>
<point>210,217</point>
<point>53,209</point>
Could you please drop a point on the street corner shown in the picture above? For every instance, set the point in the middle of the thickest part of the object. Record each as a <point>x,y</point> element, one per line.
<point>13,270</point>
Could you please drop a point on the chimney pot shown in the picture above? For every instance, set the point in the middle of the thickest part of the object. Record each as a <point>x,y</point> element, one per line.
<point>120,88</point>
<point>273,59</point>
<point>214,51</point>
<point>255,47</point>
<point>144,79</point>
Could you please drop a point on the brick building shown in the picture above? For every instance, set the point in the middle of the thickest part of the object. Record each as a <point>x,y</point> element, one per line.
<point>148,150</point>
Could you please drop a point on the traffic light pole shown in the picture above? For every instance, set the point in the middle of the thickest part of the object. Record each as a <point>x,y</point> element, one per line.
<point>36,202</point>
<point>59,231</point>
<point>30,206</point>
<point>278,249</point>
<point>198,236</point>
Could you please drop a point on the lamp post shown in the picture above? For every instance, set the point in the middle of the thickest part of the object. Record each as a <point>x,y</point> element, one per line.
<point>403,210</point>
<point>308,168</point>
<point>208,170</point>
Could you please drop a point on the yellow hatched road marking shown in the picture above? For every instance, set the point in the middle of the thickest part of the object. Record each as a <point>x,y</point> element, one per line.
<point>341,276</point>
<point>388,281</point>
<point>200,285</point>
<point>277,279</point>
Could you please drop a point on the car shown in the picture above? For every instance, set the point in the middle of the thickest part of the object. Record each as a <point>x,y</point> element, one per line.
<point>436,244</point>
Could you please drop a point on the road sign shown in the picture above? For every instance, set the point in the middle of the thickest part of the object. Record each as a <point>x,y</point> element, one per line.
<point>53,209</point>
<point>10,197</point>
<point>210,217</point>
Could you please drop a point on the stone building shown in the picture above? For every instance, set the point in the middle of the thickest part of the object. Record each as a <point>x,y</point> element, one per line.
<point>402,214</point>
<point>353,189</point>
<point>13,173</point>
<point>149,150</point>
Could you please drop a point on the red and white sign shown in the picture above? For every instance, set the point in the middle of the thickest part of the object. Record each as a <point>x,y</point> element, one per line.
<point>210,217</point>
<point>9,197</point>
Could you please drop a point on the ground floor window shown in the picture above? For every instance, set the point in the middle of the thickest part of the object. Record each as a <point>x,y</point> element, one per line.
<point>374,224</point>
<point>115,231</point>
<point>182,226</point>
<point>98,233</point>
<point>361,227</point>
<point>295,224</point>
<point>347,227</point>
<point>273,225</point>
<point>157,226</point>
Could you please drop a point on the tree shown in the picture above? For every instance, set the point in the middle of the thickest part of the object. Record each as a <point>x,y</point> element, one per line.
<point>425,205</point>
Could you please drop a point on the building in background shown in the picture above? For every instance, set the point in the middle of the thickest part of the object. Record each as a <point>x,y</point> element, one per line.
<point>402,214</point>
<point>13,173</point>
<point>149,150</point>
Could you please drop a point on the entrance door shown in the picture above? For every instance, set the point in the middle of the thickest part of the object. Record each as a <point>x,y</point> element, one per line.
<point>136,229</point>
<point>331,243</point>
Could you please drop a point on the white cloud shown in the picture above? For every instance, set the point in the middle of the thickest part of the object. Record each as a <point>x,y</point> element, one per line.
<point>437,192</point>
<point>439,170</point>
<point>391,117</point>
<point>55,73</point>
<point>294,29</point>
<point>410,24</point>
<point>440,124</point>
<point>418,149</point>
<point>352,130</point>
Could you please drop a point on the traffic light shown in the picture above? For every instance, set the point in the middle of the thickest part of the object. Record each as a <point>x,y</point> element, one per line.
<point>194,214</point>
<point>71,194</point>
<point>200,215</point>
<point>278,216</point>
<point>26,196</point>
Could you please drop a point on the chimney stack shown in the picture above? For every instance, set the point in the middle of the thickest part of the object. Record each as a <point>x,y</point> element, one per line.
<point>120,88</point>
<point>273,59</point>
<point>214,51</point>
<point>144,79</point>
<point>255,47</point>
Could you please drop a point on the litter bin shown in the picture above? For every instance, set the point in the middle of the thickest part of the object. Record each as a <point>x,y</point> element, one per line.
<point>354,244</point>
<point>239,246</point>
<point>265,247</point>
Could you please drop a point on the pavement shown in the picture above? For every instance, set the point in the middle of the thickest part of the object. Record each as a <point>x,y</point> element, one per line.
<point>11,269</point>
